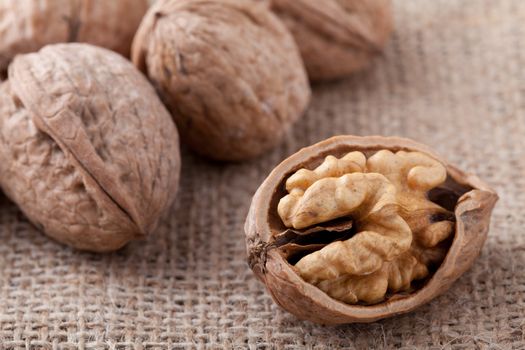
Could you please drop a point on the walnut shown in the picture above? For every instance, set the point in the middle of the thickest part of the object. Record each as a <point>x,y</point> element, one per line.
<point>386,200</point>
<point>28,25</point>
<point>336,37</point>
<point>355,229</point>
<point>229,71</point>
<point>87,150</point>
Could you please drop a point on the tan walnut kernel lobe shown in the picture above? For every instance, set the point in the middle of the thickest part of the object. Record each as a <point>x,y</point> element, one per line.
<point>381,197</point>
<point>28,25</point>
<point>87,150</point>
<point>228,70</point>
<point>380,222</point>
<point>336,37</point>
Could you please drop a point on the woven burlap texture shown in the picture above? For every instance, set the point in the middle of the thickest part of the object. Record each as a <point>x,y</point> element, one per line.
<point>452,77</point>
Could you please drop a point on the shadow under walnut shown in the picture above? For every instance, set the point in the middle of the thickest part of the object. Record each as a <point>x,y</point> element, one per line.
<point>275,249</point>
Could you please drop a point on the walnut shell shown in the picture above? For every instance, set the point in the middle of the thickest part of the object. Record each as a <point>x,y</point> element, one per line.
<point>87,150</point>
<point>336,37</point>
<point>229,71</point>
<point>470,200</point>
<point>28,25</point>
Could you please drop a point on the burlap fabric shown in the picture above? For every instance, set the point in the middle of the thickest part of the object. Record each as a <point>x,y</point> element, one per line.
<point>452,77</point>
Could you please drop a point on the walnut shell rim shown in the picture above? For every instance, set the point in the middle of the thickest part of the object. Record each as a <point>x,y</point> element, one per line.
<point>306,301</point>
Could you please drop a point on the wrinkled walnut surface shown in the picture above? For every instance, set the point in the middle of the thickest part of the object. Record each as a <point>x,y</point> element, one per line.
<point>385,198</point>
<point>336,37</point>
<point>87,150</point>
<point>28,25</point>
<point>229,71</point>
<point>355,229</point>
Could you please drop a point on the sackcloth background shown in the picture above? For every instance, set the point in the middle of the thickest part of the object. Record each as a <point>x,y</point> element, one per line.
<point>453,76</point>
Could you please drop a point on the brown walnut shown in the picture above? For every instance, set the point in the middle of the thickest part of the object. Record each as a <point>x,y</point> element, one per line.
<point>355,229</point>
<point>336,37</point>
<point>87,150</point>
<point>28,25</point>
<point>229,71</point>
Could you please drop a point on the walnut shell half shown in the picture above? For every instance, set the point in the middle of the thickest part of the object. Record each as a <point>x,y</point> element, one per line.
<point>87,150</point>
<point>229,71</point>
<point>28,25</point>
<point>337,37</point>
<point>303,213</point>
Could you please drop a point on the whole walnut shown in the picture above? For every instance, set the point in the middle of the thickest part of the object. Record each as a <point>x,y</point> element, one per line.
<point>228,70</point>
<point>355,229</point>
<point>87,150</point>
<point>336,37</point>
<point>28,25</point>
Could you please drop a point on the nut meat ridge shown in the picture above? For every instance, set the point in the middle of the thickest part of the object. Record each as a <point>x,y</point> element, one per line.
<point>385,196</point>
<point>356,229</point>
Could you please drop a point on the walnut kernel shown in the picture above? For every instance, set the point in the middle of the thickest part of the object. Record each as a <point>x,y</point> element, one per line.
<point>354,229</point>
<point>386,200</point>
